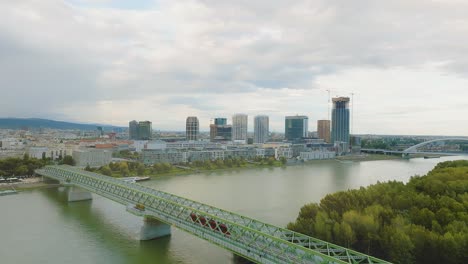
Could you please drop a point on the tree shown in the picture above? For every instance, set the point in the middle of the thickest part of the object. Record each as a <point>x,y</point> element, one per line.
<point>21,170</point>
<point>157,168</point>
<point>166,167</point>
<point>219,163</point>
<point>423,221</point>
<point>123,167</point>
<point>271,161</point>
<point>114,166</point>
<point>106,170</point>
<point>69,160</point>
<point>140,169</point>
<point>400,246</point>
<point>283,160</point>
<point>228,162</point>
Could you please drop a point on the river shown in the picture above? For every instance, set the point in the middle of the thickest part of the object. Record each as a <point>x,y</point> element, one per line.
<point>39,226</point>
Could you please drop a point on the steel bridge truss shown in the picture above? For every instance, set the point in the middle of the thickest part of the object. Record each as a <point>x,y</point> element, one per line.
<point>249,238</point>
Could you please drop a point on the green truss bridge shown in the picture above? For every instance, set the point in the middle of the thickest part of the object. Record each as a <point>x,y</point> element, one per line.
<point>251,239</point>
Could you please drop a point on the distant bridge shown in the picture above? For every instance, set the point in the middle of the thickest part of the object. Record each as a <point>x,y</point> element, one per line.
<point>414,149</point>
<point>254,240</point>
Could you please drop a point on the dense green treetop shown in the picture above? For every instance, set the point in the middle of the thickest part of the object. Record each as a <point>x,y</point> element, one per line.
<point>21,166</point>
<point>423,221</point>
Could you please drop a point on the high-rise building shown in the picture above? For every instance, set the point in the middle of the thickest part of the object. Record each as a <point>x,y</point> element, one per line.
<point>340,120</point>
<point>261,129</point>
<point>323,130</point>
<point>192,128</point>
<point>239,127</point>
<point>220,121</point>
<point>145,130</point>
<point>133,130</point>
<point>139,130</point>
<point>220,130</point>
<point>100,131</point>
<point>296,127</point>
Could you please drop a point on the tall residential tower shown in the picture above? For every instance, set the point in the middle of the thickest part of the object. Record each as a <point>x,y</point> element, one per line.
<point>133,130</point>
<point>323,130</point>
<point>239,127</point>
<point>140,130</point>
<point>261,129</point>
<point>340,120</point>
<point>192,128</point>
<point>145,130</point>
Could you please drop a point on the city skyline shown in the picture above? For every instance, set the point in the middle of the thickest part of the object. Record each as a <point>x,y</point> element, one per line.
<point>198,59</point>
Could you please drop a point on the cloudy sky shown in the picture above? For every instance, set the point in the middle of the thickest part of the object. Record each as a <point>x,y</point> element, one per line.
<point>111,61</point>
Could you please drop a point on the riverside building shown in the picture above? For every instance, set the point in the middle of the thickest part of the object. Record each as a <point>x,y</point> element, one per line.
<point>192,128</point>
<point>239,127</point>
<point>323,130</point>
<point>220,130</point>
<point>140,130</point>
<point>261,129</point>
<point>296,127</point>
<point>340,121</point>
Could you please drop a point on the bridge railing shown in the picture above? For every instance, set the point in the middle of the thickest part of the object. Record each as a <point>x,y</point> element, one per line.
<point>250,237</point>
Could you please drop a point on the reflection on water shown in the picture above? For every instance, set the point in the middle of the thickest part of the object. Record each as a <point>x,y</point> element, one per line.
<point>40,226</point>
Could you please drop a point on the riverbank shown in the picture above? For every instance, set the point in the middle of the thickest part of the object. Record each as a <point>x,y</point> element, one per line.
<point>27,184</point>
<point>33,183</point>
<point>349,158</point>
<point>180,172</point>
<point>368,157</point>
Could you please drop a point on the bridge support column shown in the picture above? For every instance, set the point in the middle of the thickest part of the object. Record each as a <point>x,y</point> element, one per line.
<point>153,228</point>
<point>49,180</point>
<point>240,260</point>
<point>76,194</point>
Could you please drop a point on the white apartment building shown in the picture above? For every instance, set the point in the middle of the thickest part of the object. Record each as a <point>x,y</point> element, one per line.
<point>92,157</point>
<point>239,127</point>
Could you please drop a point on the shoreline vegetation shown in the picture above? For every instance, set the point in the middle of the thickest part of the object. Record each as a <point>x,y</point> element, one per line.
<point>27,165</point>
<point>423,221</point>
<point>127,169</point>
<point>368,157</point>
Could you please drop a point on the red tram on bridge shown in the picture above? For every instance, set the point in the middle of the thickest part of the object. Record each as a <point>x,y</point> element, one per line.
<point>216,226</point>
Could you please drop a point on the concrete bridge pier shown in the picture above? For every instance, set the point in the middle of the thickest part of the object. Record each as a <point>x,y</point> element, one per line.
<point>240,260</point>
<point>153,228</point>
<point>49,180</point>
<point>76,194</point>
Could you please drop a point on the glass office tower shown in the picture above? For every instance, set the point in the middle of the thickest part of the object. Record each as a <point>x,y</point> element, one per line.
<point>340,120</point>
<point>296,127</point>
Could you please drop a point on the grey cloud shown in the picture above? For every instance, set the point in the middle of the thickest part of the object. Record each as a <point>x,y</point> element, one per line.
<point>43,79</point>
<point>60,54</point>
<point>198,103</point>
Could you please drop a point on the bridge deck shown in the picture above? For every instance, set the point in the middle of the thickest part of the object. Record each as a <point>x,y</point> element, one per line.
<point>252,239</point>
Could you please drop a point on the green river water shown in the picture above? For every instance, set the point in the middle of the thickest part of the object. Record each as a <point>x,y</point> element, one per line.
<point>39,226</point>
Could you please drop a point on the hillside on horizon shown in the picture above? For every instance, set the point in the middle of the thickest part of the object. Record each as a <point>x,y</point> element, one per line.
<point>35,123</point>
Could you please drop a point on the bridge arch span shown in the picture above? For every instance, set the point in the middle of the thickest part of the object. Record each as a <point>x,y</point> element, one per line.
<point>415,147</point>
